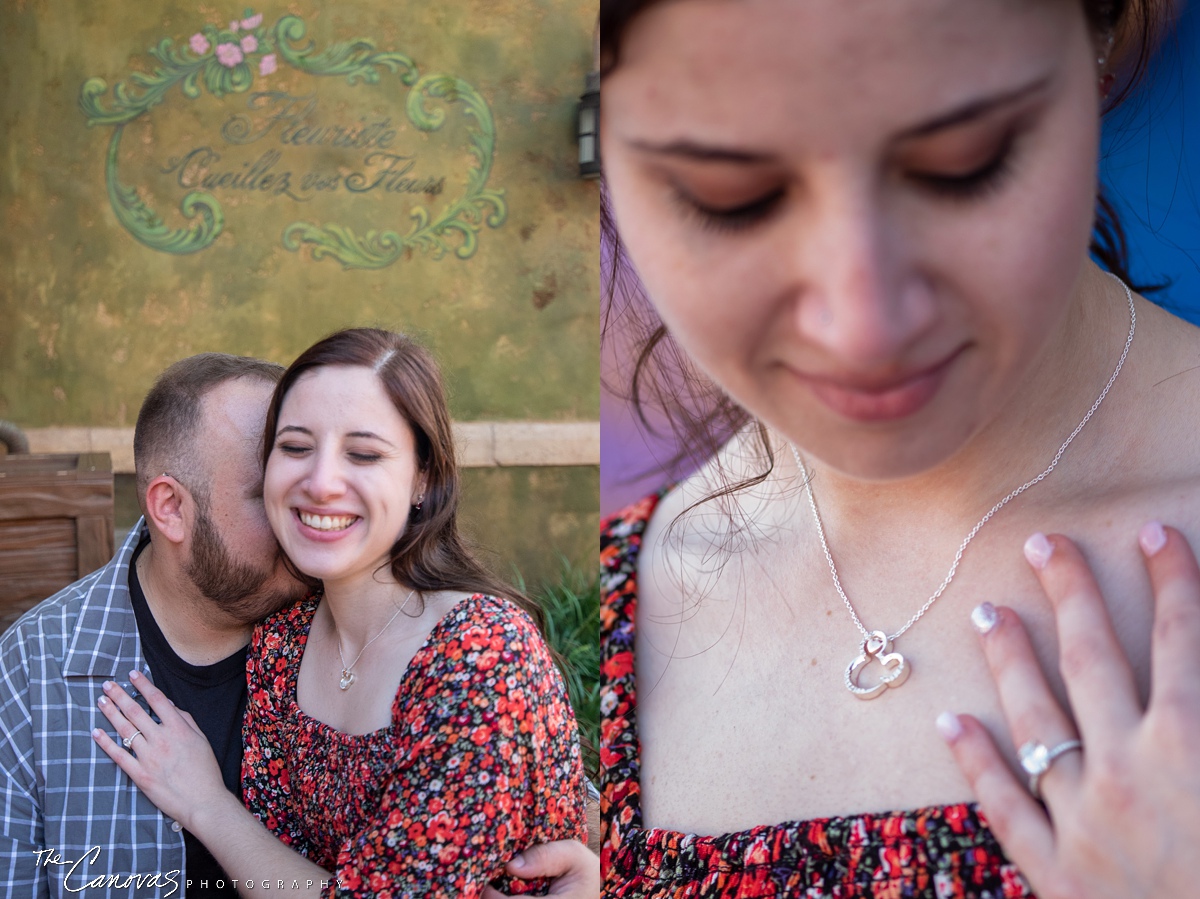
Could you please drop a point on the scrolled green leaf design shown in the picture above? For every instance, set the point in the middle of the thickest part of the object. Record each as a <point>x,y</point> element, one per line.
<point>147,226</point>
<point>218,60</point>
<point>355,60</point>
<point>375,249</point>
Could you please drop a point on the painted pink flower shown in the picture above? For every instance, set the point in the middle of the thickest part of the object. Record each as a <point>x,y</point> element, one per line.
<point>199,44</point>
<point>249,43</point>
<point>253,22</point>
<point>266,65</point>
<point>234,26</point>
<point>229,55</point>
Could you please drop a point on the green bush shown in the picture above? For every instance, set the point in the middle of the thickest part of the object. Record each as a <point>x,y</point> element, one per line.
<point>572,609</point>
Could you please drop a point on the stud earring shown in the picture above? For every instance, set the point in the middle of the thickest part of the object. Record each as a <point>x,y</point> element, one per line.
<point>1107,79</point>
<point>1105,52</point>
<point>420,502</point>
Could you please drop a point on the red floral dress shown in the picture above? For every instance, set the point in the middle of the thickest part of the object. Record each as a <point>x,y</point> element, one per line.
<point>943,852</point>
<point>481,759</point>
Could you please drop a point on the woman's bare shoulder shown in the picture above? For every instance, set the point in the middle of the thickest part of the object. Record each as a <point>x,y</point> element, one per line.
<point>733,502</point>
<point>1165,398</point>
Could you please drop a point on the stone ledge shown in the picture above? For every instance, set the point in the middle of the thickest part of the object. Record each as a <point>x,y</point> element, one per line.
<point>481,444</point>
<point>117,442</point>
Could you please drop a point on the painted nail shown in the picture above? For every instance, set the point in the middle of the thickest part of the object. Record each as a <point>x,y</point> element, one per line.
<point>984,617</point>
<point>517,861</point>
<point>96,733</point>
<point>108,685</point>
<point>1038,550</point>
<point>135,674</point>
<point>102,701</point>
<point>1152,537</point>
<point>948,727</point>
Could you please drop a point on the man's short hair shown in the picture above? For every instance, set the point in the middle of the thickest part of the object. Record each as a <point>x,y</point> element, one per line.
<point>164,440</point>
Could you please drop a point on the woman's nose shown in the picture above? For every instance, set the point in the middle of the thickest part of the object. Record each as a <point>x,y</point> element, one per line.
<point>862,300</point>
<point>324,479</point>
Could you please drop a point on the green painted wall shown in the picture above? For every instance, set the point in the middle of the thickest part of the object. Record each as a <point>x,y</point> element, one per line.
<point>509,514</point>
<point>89,315</point>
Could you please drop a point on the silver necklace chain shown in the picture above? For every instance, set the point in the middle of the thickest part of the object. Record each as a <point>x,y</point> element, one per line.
<point>348,676</point>
<point>812,502</point>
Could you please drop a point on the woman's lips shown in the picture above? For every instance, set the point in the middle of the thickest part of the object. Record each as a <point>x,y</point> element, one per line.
<point>884,402</point>
<point>324,527</point>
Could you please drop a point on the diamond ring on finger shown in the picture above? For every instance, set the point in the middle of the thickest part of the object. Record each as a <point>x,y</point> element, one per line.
<point>1036,760</point>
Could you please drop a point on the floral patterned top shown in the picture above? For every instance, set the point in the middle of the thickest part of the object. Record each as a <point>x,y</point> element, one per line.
<point>481,759</point>
<point>944,852</point>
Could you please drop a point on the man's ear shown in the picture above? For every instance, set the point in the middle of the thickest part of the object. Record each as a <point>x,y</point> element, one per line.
<point>169,507</point>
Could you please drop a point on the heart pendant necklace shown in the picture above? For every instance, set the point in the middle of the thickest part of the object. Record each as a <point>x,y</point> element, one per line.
<point>346,681</point>
<point>876,646</point>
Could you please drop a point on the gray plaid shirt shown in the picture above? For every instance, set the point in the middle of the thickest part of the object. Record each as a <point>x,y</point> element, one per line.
<point>73,823</point>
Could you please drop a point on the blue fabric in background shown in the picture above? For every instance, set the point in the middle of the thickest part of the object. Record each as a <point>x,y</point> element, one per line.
<point>1150,166</point>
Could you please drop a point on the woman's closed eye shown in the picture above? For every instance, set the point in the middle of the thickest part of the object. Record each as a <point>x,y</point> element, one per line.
<point>292,449</point>
<point>976,181</point>
<point>964,162</point>
<point>364,458</point>
<point>728,217</point>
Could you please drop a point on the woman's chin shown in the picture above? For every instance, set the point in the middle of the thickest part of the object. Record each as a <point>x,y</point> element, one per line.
<point>312,565</point>
<point>883,459</point>
<point>883,448</point>
<point>338,576</point>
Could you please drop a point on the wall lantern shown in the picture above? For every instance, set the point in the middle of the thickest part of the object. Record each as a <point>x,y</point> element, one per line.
<point>589,128</point>
<point>587,123</point>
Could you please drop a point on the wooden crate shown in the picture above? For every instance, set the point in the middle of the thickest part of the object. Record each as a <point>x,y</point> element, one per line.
<point>56,525</point>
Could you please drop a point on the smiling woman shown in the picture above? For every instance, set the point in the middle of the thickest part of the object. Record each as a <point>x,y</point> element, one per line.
<point>864,234</point>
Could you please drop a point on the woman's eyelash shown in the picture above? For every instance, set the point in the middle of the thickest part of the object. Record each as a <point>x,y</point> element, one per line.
<point>734,218</point>
<point>968,186</point>
<point>295,449</point>
<point>980,182</point>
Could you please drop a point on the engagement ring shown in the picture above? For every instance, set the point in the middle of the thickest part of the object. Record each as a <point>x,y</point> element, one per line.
<point>1036,759</point>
